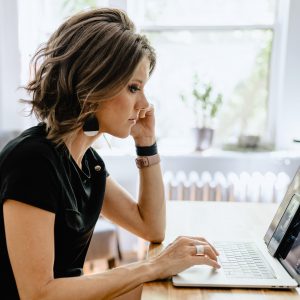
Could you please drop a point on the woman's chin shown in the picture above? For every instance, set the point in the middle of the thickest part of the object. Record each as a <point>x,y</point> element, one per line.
<point>121,133</point>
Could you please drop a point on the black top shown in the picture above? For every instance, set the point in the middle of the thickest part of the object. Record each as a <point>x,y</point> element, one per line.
<point>34,171</point>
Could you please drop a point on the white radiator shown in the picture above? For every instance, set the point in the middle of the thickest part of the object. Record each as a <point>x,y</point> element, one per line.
<point>205,186</point>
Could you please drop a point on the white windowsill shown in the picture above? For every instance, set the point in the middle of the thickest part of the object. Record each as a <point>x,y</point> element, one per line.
<point>213,152</point>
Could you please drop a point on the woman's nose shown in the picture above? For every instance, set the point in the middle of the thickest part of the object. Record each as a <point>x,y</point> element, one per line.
<point>142,103</point>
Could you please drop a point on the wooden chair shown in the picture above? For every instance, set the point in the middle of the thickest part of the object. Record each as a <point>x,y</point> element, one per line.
<point>104,244</point>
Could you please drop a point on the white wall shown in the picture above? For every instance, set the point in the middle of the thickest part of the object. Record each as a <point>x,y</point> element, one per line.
<point>10,116</point>
<point>285,83</point>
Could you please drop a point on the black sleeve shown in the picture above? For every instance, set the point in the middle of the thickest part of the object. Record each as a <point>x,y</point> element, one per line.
<point>31,177</point>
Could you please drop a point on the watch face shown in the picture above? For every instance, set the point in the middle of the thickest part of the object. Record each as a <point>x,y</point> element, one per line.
<point>147,161</point>
<point>142,162</point>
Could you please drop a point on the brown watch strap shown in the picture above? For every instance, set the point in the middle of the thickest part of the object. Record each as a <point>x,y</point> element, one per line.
<point>147,161</point>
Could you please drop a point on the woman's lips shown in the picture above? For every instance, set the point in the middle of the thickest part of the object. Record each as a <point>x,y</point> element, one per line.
<point>133,121</point>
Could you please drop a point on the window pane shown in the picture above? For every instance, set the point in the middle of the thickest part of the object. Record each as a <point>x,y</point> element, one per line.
<point>203,12</point>
<point>38,19</point>
<point>237,64</point>
<point>70,7</point>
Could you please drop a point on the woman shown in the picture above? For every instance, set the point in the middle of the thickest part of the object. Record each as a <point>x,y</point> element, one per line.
<point>89,79</point>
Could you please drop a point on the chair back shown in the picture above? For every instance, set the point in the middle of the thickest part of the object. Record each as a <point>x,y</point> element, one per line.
<point>6,136</point>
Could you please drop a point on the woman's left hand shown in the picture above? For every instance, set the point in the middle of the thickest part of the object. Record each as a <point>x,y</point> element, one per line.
<point>143,132</point>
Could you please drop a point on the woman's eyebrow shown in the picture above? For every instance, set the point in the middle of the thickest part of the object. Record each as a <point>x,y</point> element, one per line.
<point>140,81</point>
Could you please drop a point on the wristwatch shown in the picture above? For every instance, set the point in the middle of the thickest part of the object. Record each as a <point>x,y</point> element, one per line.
<point>147,161</point>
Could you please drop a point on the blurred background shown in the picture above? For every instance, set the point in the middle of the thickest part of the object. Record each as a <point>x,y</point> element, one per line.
<point>226,90</point>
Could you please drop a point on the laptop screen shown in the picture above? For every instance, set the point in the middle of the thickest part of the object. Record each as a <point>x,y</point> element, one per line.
<point>279,238</point>
<point>289,250</point>
<point>292,260</point>
<point>293,188</point>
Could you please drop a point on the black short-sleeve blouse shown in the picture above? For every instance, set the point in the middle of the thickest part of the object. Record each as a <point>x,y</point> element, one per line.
<point>34,171</point>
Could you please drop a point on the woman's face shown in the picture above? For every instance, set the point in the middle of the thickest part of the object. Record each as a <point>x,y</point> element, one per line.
<point>117,115</point>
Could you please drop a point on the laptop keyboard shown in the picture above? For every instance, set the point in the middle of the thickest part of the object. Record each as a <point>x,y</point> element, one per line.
<point>243,260</point>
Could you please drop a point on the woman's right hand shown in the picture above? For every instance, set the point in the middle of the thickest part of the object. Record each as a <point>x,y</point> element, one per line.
<point>181,254</point>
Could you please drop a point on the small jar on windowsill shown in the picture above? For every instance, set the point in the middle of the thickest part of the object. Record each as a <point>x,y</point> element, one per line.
<point>249,141</point>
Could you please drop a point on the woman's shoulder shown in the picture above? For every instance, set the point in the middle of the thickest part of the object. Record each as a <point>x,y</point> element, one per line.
<point>96,160</point>
<point>93,154</point>
<point>30,144</point>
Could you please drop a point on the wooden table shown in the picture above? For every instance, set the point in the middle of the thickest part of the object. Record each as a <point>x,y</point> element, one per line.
<point>214,221</point>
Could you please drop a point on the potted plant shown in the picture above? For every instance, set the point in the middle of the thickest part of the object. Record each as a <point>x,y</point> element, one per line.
<point>205,104</point>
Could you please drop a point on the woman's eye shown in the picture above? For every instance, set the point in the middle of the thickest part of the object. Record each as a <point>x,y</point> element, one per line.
<point>134,88</point>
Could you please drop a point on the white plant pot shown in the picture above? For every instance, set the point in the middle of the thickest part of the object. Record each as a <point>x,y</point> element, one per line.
<point>203,138</point>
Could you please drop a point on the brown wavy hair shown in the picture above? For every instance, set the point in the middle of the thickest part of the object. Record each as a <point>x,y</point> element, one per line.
<point>88,59</point>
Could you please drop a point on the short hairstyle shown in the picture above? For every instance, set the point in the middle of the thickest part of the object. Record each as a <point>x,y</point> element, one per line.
<point>89,58</point>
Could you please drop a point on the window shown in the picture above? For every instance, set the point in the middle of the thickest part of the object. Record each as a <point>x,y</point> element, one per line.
<point>227,43</point>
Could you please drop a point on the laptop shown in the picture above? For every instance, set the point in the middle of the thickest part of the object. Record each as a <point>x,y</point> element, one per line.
<point>271,262</point>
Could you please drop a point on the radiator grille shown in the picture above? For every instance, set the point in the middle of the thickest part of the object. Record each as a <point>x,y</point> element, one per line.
<point>206,186</point>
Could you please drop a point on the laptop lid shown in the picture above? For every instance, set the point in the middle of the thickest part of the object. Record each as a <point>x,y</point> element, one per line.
<point>288,251</point>
<point>294,187</point>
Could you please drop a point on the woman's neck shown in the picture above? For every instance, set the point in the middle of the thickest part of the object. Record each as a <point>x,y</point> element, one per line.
<point>79,145</point>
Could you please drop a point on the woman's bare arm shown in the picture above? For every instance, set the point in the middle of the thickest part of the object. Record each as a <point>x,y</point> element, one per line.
<point>145,217</point>
<point>30,239</point>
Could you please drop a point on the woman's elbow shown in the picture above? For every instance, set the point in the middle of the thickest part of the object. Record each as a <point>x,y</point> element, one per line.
<point>156,237</point>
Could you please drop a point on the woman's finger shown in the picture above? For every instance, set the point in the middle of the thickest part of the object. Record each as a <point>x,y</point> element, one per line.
<point>146,111</point>
<point>205,260</point>
<point>150,109</point>
<point>142,113</point>
<point>200,239</point>
<point>206,250</point>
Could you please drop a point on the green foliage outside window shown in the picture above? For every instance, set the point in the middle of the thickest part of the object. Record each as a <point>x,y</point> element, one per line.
<point>248,105</point>
<point>204,102</point>
<point>73,6</point>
